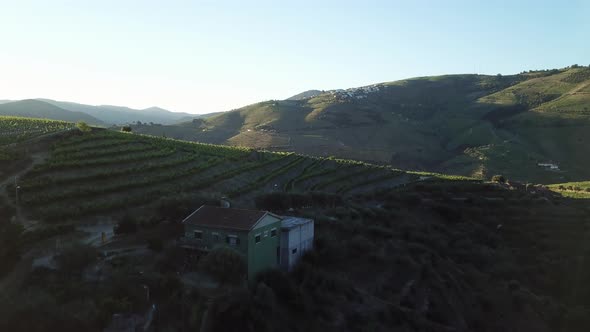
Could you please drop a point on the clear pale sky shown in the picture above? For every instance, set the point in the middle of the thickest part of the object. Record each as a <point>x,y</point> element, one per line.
<point>207,56</point>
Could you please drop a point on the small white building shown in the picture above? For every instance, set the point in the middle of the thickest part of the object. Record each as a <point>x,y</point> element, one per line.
<point>296,238</point>
<point>549,166</point>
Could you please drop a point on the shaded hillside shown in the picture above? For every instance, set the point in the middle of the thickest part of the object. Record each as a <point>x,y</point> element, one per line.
<point>432,255</point>
<point>393,250</point>
<point>38,109</point>
<point>465,124</point>
<point>105,173</point>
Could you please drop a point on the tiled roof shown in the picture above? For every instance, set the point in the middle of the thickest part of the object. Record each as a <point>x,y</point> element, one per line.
<point>218,217</point>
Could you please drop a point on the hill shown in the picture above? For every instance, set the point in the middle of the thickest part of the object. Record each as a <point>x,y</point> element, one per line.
<point>114,171</point>
<point>38,109</point>
<point>393,250</point>
<point>474,125</point>
<point>114,115</point>
<point>305,95</point>
<point>17,129</point>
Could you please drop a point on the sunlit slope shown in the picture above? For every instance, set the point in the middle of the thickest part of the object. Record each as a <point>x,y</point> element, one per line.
<point>475,125</point>
<point>17,129</point>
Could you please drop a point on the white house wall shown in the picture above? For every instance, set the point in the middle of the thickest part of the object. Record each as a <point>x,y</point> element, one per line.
<point>300,238</point>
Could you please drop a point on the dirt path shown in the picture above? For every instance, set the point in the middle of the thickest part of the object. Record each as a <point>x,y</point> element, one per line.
<point>37,158</point>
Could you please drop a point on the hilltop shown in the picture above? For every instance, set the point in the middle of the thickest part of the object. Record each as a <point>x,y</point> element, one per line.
<point>475,125</point>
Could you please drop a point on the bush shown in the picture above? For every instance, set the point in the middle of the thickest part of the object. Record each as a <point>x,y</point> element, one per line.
<point>126,129</point>
<point>225,264</point>
<point>126,225</point>
<point>75,259</point>
<point>83,127</point>
<point>499,178</point>
<point>155,244</point>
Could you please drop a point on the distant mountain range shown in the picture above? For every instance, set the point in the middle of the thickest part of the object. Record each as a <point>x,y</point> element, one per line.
<point>477,125</point>
<point>38,109</point>
<point>96,115</point>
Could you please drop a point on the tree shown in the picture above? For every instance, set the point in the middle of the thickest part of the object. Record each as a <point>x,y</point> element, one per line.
<point>126,129</point>
<point>83,127</point>
<point>10,245</point>
<point>225,264</point>
<point>126,225</point>
<point>76,258</point>
<point>155,244</point>
<point>498,178</point>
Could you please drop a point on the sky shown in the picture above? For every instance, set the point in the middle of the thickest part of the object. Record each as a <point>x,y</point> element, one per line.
<point>210,56</point>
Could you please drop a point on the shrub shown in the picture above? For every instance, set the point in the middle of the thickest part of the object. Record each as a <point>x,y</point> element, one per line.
<point>126,225</point>
<point>499,178</point>
<point>155,244</point>
<point>126,129</point>
<point>83,127</point>
<point>76,258</point>
<point>225,264</point>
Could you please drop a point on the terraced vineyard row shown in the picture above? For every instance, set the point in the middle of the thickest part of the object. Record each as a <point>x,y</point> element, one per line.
<point>17,129</point>
<point>97,173</point>
<point>104,170</point>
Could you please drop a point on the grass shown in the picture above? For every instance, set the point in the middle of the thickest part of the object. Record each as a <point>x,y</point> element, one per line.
<point>572,189</point>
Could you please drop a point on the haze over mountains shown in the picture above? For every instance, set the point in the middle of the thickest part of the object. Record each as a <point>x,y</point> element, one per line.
<point>96,115</point>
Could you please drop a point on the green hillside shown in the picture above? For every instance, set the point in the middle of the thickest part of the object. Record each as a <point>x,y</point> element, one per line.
<point>31,108</point>
<point>474,125</point>
<point>18,129</point>
<point>105,173</point>
<point>573,189</point>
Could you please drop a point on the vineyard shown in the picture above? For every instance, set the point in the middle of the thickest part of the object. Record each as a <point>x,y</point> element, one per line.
<point>16,129</point>
<point>106,172</point>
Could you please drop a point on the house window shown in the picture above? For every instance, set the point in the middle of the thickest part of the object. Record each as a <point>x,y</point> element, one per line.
<point>265,233</point>
<point>294,251</point>
<point>273,232</point>
<point>215,236</point>
<point>199,235</point>
<point>257,238</point>
<point>233,240</point>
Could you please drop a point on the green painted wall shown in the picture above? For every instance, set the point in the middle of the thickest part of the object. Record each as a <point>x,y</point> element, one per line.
<point>258,256</point>
<point>211,243</point>
<point>263,255</point>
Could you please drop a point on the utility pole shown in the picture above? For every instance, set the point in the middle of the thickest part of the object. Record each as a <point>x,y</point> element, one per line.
<point>147,289</point>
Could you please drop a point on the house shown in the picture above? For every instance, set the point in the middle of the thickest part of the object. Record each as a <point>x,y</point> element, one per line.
<point>296,239</point>
<point>549,166</point>
<point>254,234</point>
